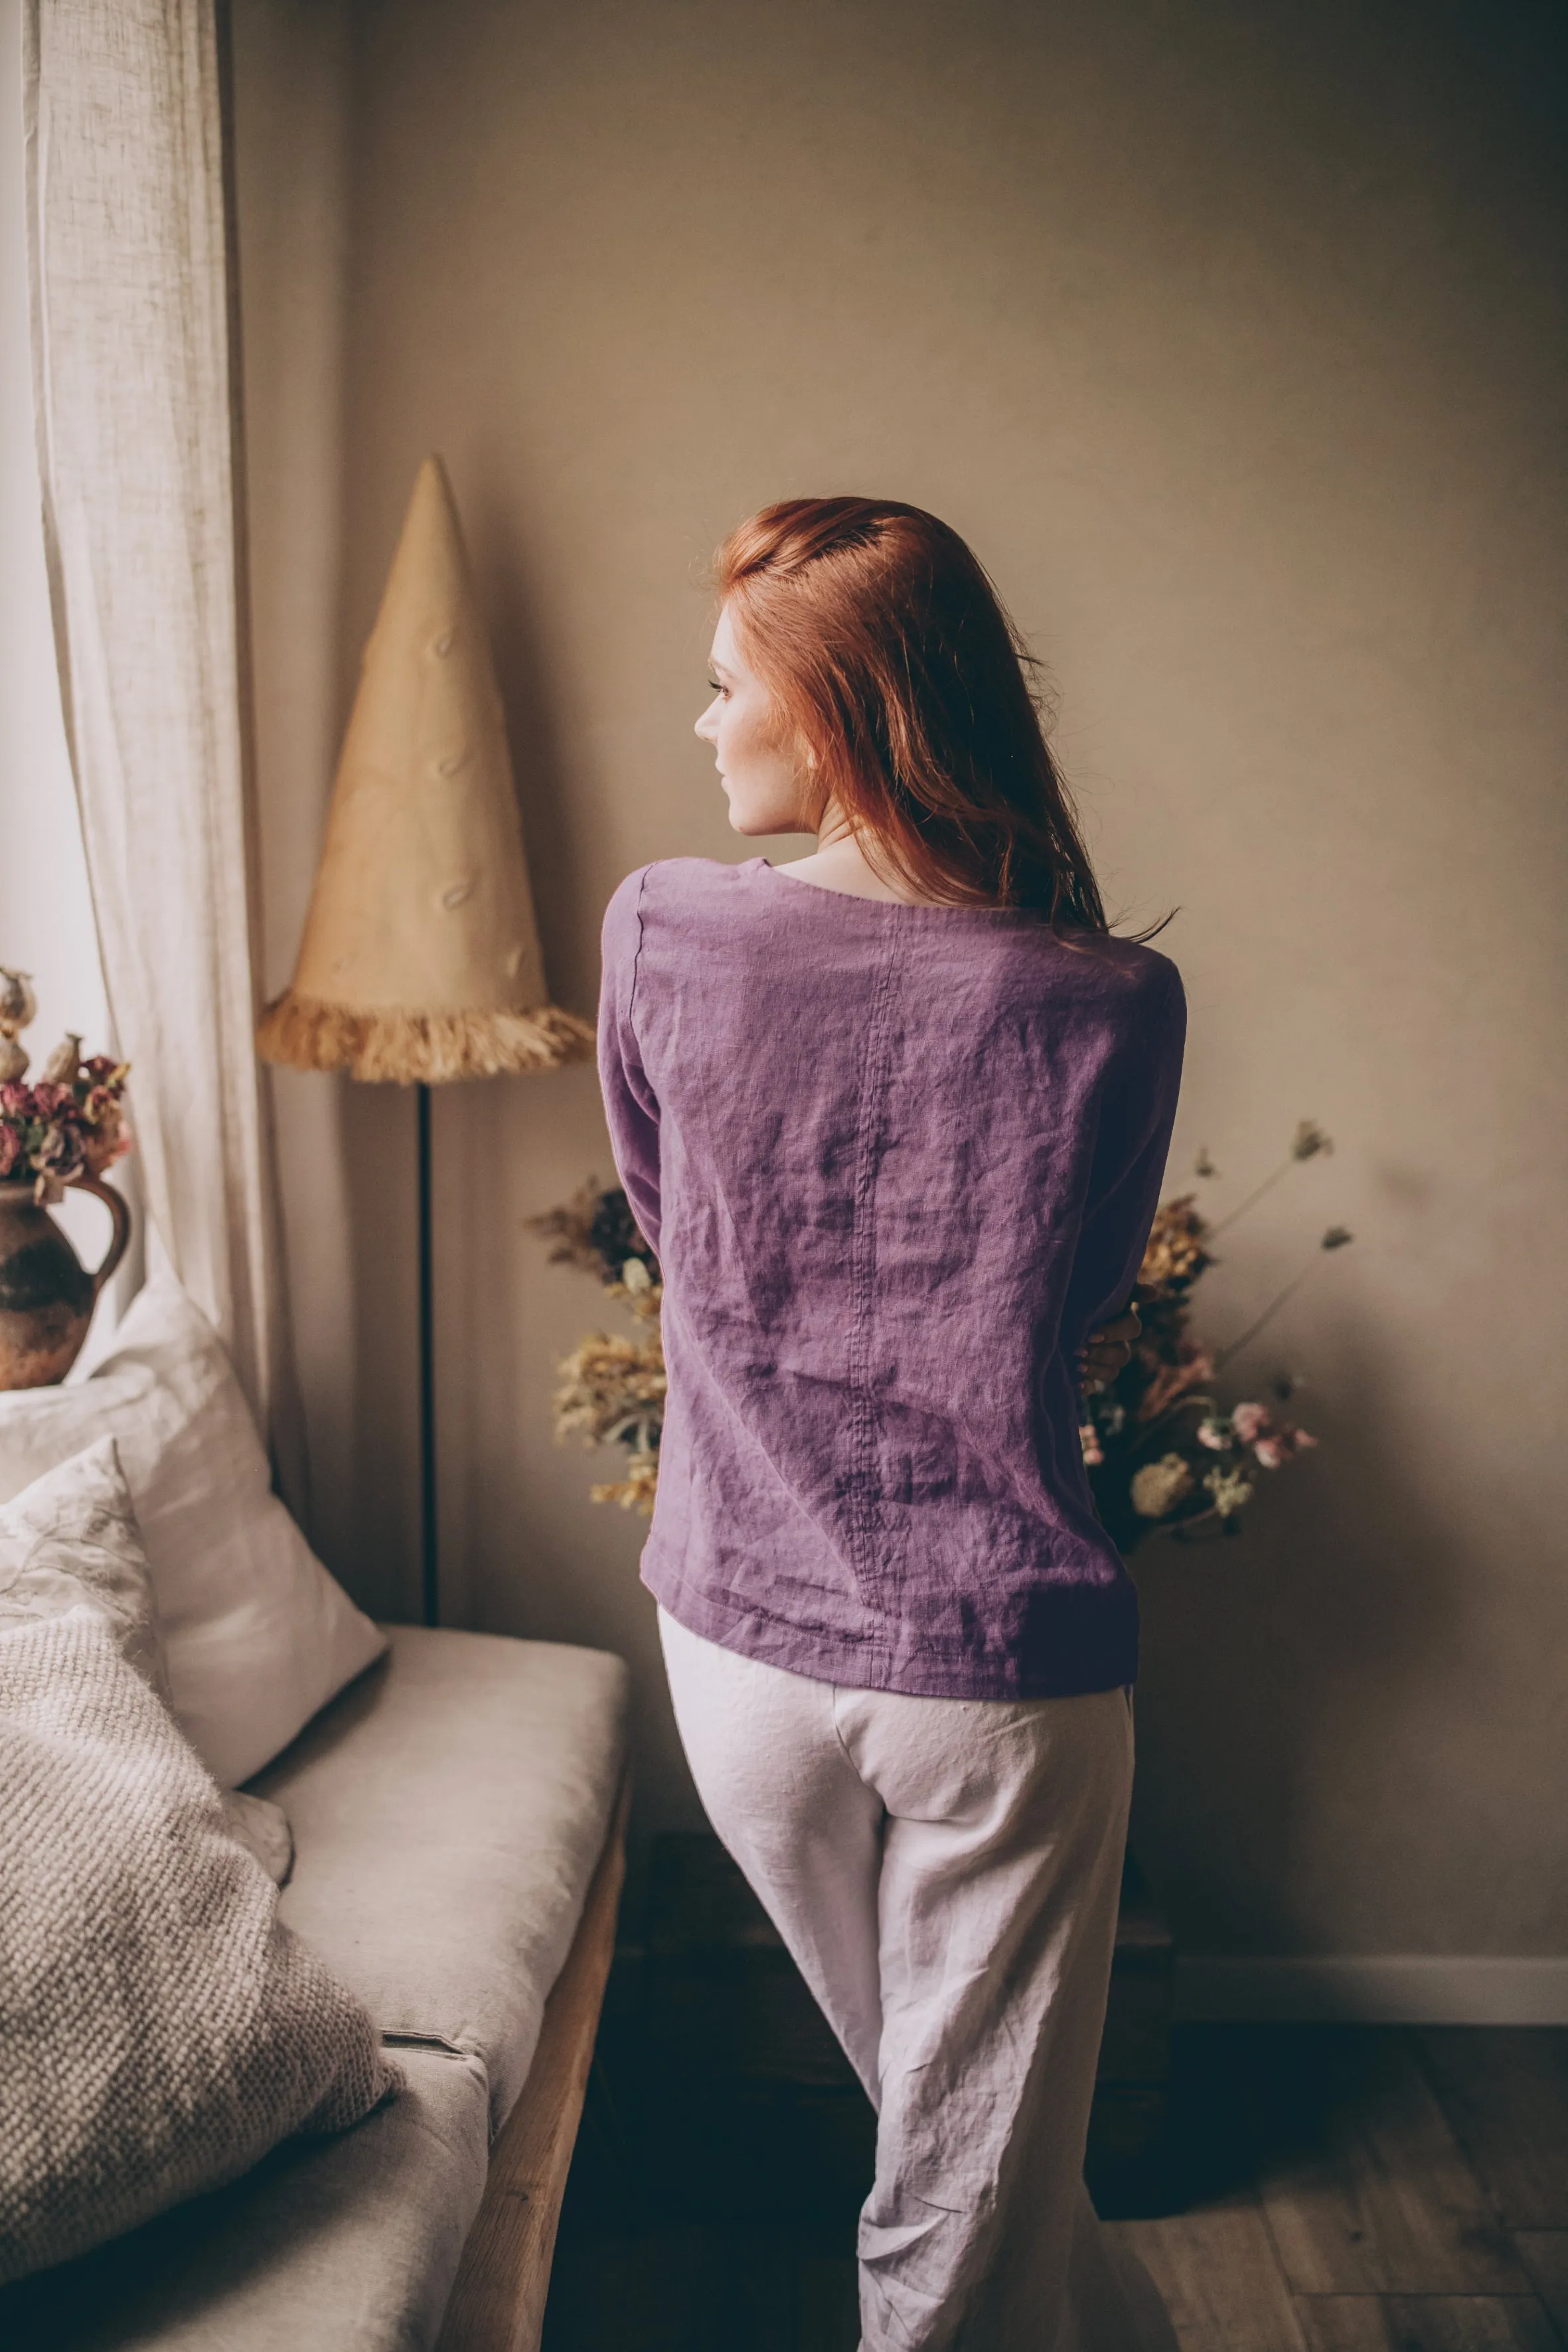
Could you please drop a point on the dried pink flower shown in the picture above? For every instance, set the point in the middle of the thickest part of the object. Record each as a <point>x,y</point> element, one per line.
<point>1172,1382</point>
<point>1281,1446</point>
<point>1249,1422</point>
<point>59,1151</point>
<point>60,1128</point>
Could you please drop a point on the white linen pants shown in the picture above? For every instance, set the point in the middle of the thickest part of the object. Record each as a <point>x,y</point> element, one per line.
<point>945,1874</point>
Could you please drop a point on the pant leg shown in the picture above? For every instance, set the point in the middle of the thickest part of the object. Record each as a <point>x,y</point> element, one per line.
<point>1113,2304</point>
<point>790,1807</point>
<point>770,1753</point>
<point>1001,1870</point>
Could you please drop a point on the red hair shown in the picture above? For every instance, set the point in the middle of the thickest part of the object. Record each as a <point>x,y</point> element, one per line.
<point>888,652</point>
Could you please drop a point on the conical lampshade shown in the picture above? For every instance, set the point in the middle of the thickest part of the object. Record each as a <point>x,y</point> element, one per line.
<point>421,959</point>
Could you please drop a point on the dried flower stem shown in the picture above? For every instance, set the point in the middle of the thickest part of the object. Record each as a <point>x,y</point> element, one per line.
<point>1185,1403</point>
<point>1255,1196</point>
<point>1307,1143</point>
<point>1182,1532</point>
<point>1226,1354</point>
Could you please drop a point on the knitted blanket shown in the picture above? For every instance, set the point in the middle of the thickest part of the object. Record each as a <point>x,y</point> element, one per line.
<point>160,2029</point>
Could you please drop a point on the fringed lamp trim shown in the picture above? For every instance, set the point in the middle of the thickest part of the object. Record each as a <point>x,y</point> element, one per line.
<point>429,1048</point>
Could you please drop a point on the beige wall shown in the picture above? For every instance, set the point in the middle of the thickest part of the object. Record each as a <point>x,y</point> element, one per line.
<point>1228,336</point>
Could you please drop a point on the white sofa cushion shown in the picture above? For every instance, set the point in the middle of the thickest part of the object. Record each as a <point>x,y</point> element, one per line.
<point>447,1813</point>
<point>257,1635</point>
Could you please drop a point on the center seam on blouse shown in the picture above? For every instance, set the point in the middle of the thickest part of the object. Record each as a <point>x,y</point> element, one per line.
<point>862,1289</point>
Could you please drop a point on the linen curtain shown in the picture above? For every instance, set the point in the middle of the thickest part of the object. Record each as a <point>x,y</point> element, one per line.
<point>136,368</point>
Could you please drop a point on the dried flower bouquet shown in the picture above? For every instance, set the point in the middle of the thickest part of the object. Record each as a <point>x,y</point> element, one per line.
<point>1162,1450</point>
<point>71,1121</point>
<point>610,1390</point>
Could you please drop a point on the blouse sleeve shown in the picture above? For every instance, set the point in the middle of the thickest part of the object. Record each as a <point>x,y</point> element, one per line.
<point>1135,1139</point>
<point>631,1108</point>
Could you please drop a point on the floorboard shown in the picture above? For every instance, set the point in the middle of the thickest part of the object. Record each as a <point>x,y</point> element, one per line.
<point>1219,2278</point>
<point>655,2291</point>
<point>1369,2191</point>
<point>1505,2091</point>
<point>1424,2323</point>
<point>829,2304</point>
<point>1544,2253</point>
<point>760,2291</point>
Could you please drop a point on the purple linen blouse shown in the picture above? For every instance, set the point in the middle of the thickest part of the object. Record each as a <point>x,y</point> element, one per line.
<point>896,1164</point>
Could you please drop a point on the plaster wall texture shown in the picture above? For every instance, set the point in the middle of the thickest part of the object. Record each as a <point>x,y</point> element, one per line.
<point>1233,340</point>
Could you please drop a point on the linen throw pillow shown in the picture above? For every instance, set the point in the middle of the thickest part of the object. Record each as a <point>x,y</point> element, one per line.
<point>161,2029</point>
<point>257,1635</point>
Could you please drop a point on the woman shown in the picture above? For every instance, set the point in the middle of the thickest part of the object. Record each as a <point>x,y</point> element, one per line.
<point>894,1118</point>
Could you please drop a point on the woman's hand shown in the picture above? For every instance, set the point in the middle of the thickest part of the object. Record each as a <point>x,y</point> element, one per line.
<point>1106,1350</point>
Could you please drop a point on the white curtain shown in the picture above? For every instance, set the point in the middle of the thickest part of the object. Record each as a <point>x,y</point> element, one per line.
<point>136,379</point>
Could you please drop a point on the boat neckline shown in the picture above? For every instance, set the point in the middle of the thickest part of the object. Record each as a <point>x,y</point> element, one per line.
<point>896,905</point>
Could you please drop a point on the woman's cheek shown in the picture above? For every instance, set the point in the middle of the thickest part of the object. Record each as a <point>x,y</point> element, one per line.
<point>742,748</point>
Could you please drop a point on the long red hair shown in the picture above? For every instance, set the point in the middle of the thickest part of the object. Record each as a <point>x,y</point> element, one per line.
<point>889,654</point>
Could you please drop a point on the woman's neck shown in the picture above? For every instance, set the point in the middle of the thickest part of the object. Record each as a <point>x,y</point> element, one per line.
<point>838,863</point>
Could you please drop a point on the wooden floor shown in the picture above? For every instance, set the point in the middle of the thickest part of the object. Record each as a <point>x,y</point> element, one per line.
<point>1323,2189</point>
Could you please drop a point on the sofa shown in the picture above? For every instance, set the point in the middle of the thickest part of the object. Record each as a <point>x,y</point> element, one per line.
<point>458,1821</point>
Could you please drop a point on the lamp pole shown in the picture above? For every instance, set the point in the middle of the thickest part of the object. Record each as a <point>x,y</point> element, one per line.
<point>429,1556</point>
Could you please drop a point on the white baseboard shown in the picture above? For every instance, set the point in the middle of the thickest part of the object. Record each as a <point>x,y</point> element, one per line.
<point>1382,1988</point>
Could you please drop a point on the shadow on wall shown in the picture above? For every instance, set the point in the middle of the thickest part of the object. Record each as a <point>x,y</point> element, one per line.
<point>546,792</point>
<point>1338,1612</point>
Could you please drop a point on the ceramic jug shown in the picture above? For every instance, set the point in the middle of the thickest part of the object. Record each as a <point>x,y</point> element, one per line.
<point>46,1296</point>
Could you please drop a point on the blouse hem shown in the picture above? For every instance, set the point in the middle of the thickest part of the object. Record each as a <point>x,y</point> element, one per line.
<point>822,1656</point>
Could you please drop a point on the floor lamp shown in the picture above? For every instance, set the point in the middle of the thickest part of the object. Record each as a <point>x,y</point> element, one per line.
<point>420,962</point>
